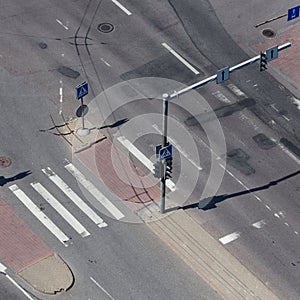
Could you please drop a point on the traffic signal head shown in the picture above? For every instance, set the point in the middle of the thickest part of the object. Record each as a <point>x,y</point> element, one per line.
<point>263,61</point>
<point>169,168</point>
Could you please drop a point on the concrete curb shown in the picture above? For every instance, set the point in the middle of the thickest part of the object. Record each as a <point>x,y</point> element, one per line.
<point>50,275</point>
<point>209,258</point>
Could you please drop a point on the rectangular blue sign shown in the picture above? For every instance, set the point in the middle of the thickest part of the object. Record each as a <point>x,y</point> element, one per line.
<point>293,13</point>
<point>82,90</point>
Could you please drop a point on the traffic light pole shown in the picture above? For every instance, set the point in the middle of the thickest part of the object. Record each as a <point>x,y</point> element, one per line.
<point>167,97</point>
<point>163,163</point>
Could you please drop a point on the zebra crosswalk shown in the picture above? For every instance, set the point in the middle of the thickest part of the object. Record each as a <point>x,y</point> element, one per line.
<point>60,209</point>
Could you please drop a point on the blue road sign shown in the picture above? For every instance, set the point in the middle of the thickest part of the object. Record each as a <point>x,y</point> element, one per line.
<point>82,90</point>
<point>165,152</point>
<point>293,13</point>
<point>223,75</point>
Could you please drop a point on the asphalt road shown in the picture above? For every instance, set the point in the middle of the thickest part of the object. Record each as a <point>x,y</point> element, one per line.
<point>261,228</point>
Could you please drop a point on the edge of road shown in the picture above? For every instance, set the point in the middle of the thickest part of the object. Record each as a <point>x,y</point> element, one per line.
<point>50,275</point>
<point>220,269</point>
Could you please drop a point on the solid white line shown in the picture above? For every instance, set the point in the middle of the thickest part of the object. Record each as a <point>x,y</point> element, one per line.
<point>60,209</point>
<point>74,197</point>
<point>2,270</point>
<point>143,159</point>
<point>259,224</point>
<point>61,23</point>
<point>94,191</point>
<point>39,214</point>
<point>179,148</point>
<point>98,285</point>
<point>60,96</point>
<point>229,238</point>
<point>122,7</point>
<point>180,58</point>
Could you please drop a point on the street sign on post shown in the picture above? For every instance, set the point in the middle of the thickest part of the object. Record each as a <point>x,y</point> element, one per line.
<point>293,13</point>
<point>272,53</point>
<point>165,152</point>
<point>223,75</point>
<point>82,90</point>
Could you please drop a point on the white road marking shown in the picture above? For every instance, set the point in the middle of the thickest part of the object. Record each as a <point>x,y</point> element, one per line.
<point>229,238</point>
<point>274,107</point>
<point>179,148</point>
<point>288,152</point>
<point>259,224</point>
<point>296,232</point>
<point>180,58</point>
<point>287,224</point>
<point>74,197</point>
<point>60,96</point>
<point>296,102</point>
<point>39,214</point>
<point>105,62</point>
<point>99,286</point>
<point>60,209</point>
<point>2,270</point>
<point>94,191</point>
<point>268,207</point>
<point>61,23</point>
<point>236,90</point>
<point>143,159</point>
<point>122,7</point>
<point>221,97</point>
<point>286,118</point>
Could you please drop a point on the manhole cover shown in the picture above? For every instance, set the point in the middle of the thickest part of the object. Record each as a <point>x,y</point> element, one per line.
<point>268,33</point>
<point>4,162</point>
<point>105,27</point>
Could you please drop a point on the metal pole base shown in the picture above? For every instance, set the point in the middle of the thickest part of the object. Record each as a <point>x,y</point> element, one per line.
<point>83,131</point>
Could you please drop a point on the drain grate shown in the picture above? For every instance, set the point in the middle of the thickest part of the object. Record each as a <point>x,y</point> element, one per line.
<point>268,33</point>
<point>4,162</point>
<point>105,27</point>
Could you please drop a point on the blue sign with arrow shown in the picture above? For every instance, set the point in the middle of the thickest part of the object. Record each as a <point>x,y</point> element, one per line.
<point>82,90</point>
<point>165,152</point>
<point>293,13</point>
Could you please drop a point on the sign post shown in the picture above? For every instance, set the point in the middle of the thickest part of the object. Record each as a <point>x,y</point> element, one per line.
<point>81,91</point>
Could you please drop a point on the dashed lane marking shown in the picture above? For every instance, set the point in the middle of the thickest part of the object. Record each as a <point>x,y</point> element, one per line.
<point>73,222</point>
<point>74,197</point>
<point>221,97</point>
<point>62,24</point>
<point>39,214</point>
<point>180,58</point>
<point>259,224</point>
<point>115,212</point>
<point>229,238</point>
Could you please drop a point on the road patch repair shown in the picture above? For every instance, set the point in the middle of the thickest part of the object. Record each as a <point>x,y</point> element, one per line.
<point>28,256</point>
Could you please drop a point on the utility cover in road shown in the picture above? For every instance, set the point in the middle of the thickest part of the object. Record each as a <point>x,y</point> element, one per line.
<point>293,13</point>
<point>223,75</point>
<point>272,53</point>
<point>165,152</point>
<point>82,90</point>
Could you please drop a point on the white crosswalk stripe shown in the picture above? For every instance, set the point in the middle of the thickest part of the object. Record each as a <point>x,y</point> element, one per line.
<point>39,214</point>
<point>80,229</point>
<point>74,197</point>
<point>95,192</point>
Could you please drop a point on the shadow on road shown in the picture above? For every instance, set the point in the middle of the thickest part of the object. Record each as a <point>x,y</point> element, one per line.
<point>209,203</point>
<point>116,124</point>
<point>21,175</point>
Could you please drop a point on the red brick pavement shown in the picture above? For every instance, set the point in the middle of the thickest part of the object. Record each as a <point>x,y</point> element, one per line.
<point>288,61</point>
<point>98,160</point>
<point>20,246</point>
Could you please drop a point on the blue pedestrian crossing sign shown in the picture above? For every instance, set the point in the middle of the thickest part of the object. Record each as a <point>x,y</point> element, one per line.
<point>165,152</point>
<point>293,13</point>
<point>82,90</point>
